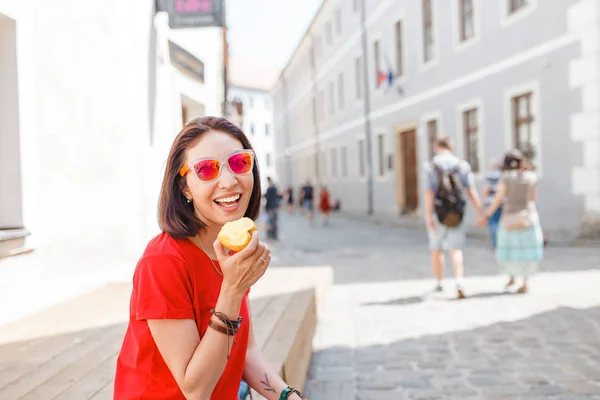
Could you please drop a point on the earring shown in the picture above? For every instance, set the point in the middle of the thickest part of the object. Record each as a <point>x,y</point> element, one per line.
<point>188,200</point>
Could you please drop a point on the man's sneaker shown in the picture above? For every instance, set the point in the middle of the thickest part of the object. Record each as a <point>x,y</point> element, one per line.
<point>460,294</point>
<point>438,288</point>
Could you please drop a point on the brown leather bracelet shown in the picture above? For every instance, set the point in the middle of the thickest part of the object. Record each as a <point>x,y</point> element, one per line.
<point>220,328</point>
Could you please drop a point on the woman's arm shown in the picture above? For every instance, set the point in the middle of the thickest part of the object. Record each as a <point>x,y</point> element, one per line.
<point>486,191</point>
<point>498,199</point>
<point>196,365</point>
<point>259,374</point>
<point>534,193</point>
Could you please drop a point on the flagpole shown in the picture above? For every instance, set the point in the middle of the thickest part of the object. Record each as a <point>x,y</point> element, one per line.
<point>368,132</point>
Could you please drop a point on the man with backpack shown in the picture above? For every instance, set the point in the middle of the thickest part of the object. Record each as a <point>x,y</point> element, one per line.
<point>450,182</point>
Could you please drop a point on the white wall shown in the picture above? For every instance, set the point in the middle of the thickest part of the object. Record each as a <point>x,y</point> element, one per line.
<point>10,161</point>
<point>99,105</point>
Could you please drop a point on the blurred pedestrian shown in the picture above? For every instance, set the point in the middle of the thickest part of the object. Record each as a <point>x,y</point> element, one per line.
<point>307,200</point>
<point>492,178</point>
<point>301,200</point>
<point>290,200</point>
<point>520,246</point>
<point>449,180</point>
<point>272,197</point>
<point>324,205</point>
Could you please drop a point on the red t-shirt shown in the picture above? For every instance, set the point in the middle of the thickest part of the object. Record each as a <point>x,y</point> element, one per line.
<point>174,279</point>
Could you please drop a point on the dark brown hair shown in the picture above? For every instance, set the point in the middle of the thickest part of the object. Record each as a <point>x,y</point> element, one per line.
<point>444,142</point>
<point>514,160</point>
<point>175,215</point>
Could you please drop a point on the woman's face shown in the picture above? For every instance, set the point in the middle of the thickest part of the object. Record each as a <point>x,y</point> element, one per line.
<point>226,198</point>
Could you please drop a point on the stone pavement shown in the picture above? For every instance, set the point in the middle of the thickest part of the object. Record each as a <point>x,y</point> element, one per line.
<point>383,335</point>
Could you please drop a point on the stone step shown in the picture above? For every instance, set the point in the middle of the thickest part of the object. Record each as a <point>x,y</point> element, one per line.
<point>12,242</point>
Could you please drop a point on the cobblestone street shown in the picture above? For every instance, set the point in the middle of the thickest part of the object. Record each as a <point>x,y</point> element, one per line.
<point>383,335</point>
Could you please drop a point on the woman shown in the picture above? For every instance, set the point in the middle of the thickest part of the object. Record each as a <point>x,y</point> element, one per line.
<point>520,245</point>
<point>324,205</point>
<point>189,333</point>
<point>290,200</point>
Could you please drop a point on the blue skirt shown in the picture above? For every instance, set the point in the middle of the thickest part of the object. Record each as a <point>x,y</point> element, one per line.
<point>519,253</point>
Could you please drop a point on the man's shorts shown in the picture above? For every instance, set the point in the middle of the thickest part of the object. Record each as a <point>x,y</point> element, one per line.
<point>308,205</point>
<point>445,238</point>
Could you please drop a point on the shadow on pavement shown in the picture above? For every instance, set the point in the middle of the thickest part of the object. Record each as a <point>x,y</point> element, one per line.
<point>362,252</point>
<point>398,302</point>
<point>550,355</point>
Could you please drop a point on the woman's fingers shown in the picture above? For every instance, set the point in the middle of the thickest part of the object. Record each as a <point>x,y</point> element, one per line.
<point>219,250</point>
<point>260,250</point>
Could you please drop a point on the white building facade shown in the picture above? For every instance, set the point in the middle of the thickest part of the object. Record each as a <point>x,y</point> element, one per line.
<point>372,84</point>
<point>90,101</point>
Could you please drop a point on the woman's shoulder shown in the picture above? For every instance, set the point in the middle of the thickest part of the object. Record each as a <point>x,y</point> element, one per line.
<point>164,245</point>
<point>164,258</point>
<point>520,176</point>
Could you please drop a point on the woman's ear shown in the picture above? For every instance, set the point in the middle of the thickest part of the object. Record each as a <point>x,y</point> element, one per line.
<point>187,193</point>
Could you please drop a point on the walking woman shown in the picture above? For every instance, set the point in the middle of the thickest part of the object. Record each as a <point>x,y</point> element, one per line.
<point>520,246</point>
<point>290,200</point>
<point>190,331</point>
<point>324,205</point>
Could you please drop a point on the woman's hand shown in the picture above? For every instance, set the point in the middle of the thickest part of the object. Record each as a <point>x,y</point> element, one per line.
<point>242,269</point>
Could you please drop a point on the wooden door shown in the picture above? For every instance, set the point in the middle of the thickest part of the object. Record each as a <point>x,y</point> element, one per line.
<point>408,144</point>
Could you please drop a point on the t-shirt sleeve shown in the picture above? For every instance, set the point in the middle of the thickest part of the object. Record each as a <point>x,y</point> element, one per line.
<point>432,177</point>
<point>163,289</point>
<point>466,175</point>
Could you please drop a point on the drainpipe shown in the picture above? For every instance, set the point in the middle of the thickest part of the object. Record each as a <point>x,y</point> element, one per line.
<point>368,134</point>
<point>287,160</point>
<point>313,69</point>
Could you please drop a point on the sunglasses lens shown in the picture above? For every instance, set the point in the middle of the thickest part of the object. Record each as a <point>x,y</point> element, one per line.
<point>240,163</point>
<point>207,170</point>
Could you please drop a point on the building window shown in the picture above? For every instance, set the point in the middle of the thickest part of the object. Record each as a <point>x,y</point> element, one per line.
<point>361,158</point>
<point>471,131</point>
<point>516,5</point>
<point>268,159</point>
<point>432,128</point>
<point>252,128</point>
<point>344,156</point>
<point>358,69</point>
<point>428,39</point>
<point>266,129</point>
<point>328,33</point>
<point>334,163</point>
<point>523,124</point>
<point>341,91</point>
<point>331,98</point>
<point>321,105</point>
<point>399,63</point>
<point>381,152</point>
<point>377,64</point>
<point>338,20</point>
<point>467,20</point>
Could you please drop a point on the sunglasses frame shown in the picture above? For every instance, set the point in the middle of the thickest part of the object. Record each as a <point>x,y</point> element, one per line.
<point>222,161</point>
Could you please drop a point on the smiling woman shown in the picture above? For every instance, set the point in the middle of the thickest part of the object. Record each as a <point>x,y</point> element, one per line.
<point>189,287</point>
